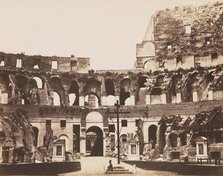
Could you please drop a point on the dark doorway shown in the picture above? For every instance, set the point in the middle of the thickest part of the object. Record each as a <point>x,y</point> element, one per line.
<point>152,133</point>
<point>36,134</point>
<point>76,138</point>
<point>94,141</point>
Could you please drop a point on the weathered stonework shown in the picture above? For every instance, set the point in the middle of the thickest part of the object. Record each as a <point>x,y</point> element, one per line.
<point>62,99</point>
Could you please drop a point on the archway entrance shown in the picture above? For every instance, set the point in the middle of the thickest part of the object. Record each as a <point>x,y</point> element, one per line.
<point>94,141</point>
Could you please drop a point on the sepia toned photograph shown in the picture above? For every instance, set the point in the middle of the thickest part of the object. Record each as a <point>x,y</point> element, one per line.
<point>111,87</point>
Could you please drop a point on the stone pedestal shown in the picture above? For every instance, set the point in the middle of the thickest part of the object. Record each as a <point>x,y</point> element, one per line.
<point>210,95</point>
<point>201,148</point>
<point>104,101</point>
<point>179,98</point>
<point>195,97</point>
<point>163,98</point>
<point>133,151</point>
<point>81,100</point>
<point>148,99</point>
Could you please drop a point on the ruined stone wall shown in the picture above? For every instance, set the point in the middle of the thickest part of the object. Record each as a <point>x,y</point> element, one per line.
<point>39,63</point>
<point>186,37</point>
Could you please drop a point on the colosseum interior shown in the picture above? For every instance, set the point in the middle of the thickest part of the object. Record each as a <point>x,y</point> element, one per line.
<point>173,96</point>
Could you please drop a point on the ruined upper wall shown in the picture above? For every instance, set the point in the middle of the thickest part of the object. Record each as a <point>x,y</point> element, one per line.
<point>39,63</point>
<point>183,37</point>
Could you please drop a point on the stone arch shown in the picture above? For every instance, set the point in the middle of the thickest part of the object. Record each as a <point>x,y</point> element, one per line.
<point>173,88</point>
<point>36,135</point>
<point>187,90</point>
<point>94,118</point>
<point>39,82</point>
<point>92,100</point>
<point>93,85</point>
<point>94,141</point>
<point>73,93</point>
<point>56,86</point>
<point>66,138</point>
<point>125,90</point>
<point>152,131</point>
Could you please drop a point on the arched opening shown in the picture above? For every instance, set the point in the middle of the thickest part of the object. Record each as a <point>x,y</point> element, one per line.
<point>152,133</point>
<point>172,91</point>
<point>91,100</point>
<point>93,85</point>
<point>36,135</point>
<point>57,86</point>
<point>162,139</point>
<point>39,82</point>
<point>65,137</point>
<point>94,141</point>
<point>187,90</point>
<point>109,87</point>
<point>73,93</point>
<point>56,99</point>
<point>173,140</point>
<point>125,90</point>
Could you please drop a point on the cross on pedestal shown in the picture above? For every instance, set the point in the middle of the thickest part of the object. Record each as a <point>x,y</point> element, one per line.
<point>117,113</point>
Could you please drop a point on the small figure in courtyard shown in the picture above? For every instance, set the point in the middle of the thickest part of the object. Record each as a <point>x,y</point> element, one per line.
<point>110,167</point>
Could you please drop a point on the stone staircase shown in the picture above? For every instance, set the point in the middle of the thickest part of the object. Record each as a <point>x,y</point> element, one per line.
<point>141,96</point>
<point>119,170</point>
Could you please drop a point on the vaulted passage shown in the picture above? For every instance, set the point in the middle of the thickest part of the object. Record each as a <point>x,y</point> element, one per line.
<point>94,141</point>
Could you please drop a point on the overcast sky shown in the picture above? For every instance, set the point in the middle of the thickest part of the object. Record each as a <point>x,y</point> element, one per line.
<point>107,31</point>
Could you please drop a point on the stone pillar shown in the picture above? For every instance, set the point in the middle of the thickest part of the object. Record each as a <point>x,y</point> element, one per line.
<point>105,141</point>
<point>10,155</point>
<point>1,153</point>
<point>81,100</point>
<point>83,141</point>
<point>163,98</point>
<point>132,97</point>
<point>210,95</point>
<point>195,97</point>
<point>103,99</point>
<point>179,98</point>
<point>148,99</point>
